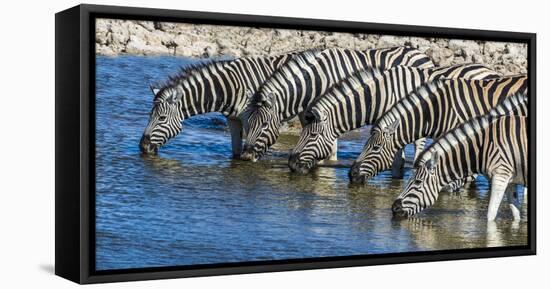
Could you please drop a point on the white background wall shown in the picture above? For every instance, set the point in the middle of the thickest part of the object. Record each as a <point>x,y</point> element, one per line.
<point>27,143</point>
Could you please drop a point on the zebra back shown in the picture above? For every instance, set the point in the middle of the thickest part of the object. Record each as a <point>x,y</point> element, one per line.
<point>439,106</point>
<point>366,96</point>
<point>466,71</point>
<point>482,145</point>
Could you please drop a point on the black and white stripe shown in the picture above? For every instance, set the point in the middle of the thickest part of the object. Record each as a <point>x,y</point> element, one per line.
<point>429,112</point>
<point>492,145</point>
<point>360,100</point>
<point>288,92</point>
<point>220,86</point>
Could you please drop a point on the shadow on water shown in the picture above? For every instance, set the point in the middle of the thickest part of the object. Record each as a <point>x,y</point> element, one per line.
<point>193,204</point>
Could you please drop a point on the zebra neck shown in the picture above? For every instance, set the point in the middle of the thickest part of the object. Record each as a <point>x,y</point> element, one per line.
<point>213,89</point>
<point>366,104</point>
<point>458,170</point>
<point>430,113</point>
<point>293,101</point>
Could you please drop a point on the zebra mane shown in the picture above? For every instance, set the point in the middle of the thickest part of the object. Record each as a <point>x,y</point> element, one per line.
<point>183,73</point>
<point>431,86</point>
<point>299,59</point>
<point>514,104</point>
<point>346,85</point>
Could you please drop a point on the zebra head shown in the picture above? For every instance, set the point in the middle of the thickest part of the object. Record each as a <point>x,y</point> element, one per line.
<point>261,126</point>
<point>315,142</point>
<point>377,154</point>
<point>422,190</point>
<point>165,119</point>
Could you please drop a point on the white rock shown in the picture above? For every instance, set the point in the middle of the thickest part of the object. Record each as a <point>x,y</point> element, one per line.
<point>494,47</point>
<point>391,41</point>
<point>105,50</point>
<point>441,56</point>
<point>115,37</point>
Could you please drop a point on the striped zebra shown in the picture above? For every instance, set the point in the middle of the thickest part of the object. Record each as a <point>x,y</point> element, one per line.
<point>495,146</point>
<point>429,112</point>
<point>288,92</point>
<point>215,86</point>
<point>360,100</point>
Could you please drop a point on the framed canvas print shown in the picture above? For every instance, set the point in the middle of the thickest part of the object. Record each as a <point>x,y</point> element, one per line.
<point>194,144</point>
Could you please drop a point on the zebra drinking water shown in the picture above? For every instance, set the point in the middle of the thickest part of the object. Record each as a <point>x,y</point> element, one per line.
<point>215,86</point>
<point>360,100</point>
<point>432,110</point>
<point>288,91</point>
<point>492,145</point>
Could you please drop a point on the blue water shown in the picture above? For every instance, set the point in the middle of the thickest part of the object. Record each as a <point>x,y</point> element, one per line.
<point>192,204</point>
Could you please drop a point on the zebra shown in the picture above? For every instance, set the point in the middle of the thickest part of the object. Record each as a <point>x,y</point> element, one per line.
<point>432,110</point>
<point>492,145</point>
<point>360,100</point>
<point>288,91</point>
<point>212,86</point>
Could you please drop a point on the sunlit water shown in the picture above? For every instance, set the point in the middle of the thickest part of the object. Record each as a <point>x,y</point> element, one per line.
<point>192,204</point>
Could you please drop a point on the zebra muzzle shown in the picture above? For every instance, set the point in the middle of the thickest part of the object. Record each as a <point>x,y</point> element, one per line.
<point>355,176</point>
<point>248,154</point>
<point>397,209</point>
<point>146,147</point>
<point>297,166</point>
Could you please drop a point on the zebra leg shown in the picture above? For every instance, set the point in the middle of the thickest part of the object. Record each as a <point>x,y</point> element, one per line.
<point>499,183</point>
<point>513,202</point>
<point>334,151</point>
<point>494,236</point>
<point>236,128</point>
<point>398,164</point>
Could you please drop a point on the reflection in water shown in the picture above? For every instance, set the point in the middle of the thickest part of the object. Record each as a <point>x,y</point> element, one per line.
<point>193,204</point>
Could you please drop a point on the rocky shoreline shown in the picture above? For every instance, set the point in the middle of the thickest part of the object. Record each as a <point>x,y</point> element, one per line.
<point>127,37</point>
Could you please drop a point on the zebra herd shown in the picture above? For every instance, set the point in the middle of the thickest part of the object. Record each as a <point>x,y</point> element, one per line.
<point>476,117</point>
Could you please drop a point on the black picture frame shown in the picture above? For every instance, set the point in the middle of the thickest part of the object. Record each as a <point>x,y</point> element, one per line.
<point>75,143</point>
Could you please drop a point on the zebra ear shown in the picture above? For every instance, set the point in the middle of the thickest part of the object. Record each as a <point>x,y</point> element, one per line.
<point>319,114</point>
<point>266,100</point>
<point>155,90</point>
<point>392,127</point>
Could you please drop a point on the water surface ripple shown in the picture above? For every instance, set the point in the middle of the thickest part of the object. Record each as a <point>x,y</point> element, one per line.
<point>192,204</point>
